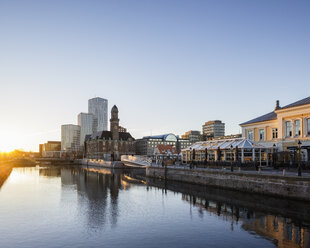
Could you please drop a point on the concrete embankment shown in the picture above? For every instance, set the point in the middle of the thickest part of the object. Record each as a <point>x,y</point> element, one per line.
<point>280,186</point>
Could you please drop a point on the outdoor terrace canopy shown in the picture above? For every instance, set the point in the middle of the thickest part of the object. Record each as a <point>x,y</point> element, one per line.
<point>225,145</point>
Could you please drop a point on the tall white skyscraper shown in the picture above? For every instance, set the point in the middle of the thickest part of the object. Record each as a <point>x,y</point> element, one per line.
<point>85,121</point>
<point>70,137</point>
<point>99,108</point>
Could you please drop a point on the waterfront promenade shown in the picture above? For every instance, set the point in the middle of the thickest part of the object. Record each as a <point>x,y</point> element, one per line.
<point>263,170</point>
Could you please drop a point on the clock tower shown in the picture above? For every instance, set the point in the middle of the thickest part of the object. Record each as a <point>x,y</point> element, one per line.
<point>114,123</point>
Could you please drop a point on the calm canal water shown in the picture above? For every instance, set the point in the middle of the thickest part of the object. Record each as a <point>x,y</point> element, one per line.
<point>76,207</point>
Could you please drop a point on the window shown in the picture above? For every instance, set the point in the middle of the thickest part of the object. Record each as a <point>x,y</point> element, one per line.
<point>261,134</point>
<point>297,128</point>
<point>288,126</point>
<point>275,133</point>
<point>308,126</point>
<point>250,134</point>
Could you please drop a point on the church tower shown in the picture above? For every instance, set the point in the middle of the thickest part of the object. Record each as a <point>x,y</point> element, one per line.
<point>114,123</point>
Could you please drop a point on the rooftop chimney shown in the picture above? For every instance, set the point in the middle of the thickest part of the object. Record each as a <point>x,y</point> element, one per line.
<point>277,105</point>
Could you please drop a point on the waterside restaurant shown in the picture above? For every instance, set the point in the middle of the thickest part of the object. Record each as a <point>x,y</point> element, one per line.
<point>228,150</point>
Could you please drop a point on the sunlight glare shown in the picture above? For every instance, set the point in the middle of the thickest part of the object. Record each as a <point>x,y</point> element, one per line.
<point>8,142</point>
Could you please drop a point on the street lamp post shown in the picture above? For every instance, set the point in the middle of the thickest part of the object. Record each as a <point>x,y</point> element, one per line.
<point>194,157</point>
<point>231,159</point>
<point>273,156</point>
<point>190,157</point>
<point>299,153</point>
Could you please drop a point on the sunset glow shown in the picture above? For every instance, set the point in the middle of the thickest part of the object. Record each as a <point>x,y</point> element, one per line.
<point>7,142</point>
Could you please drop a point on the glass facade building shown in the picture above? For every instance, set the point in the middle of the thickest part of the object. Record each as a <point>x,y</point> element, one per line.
<point>85,121</point>
<point>99,108</point>
<point>70,137</point>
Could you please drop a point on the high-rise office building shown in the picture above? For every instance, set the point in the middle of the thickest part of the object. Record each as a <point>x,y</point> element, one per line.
<point>70,137</point>
<point>213,129</point>
<point>99,108</point>
<point>85,121</point>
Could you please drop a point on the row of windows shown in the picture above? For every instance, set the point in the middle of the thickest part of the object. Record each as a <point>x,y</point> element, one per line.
<point>297,130</point>
<point>288,130</point>
<point>262,134</point>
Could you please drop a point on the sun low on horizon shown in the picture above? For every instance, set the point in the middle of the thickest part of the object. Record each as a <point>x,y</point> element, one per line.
<point>10,142</point>
<point>7,148</point>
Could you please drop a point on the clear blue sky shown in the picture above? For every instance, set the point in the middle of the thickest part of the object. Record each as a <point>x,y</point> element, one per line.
<point>168,65</point>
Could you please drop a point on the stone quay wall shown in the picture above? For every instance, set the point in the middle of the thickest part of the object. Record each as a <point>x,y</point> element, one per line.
<point>274,185</point>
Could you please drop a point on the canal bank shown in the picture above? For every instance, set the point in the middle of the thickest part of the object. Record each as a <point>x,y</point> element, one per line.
<point>5,171</point>
<point>274,185</point>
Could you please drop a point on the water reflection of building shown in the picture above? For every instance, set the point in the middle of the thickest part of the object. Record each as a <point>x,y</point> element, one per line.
<point>282,231</point>
<point>284,222</point>
<point>50,172</point>
<point>287,233</point>
<point>99,189</point>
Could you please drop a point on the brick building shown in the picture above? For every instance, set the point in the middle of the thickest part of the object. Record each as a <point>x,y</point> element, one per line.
<point>110,145</point>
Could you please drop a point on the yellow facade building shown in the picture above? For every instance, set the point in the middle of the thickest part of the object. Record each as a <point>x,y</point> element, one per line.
<point>282,128</point>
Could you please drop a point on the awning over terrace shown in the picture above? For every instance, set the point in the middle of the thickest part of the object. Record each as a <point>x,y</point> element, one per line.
<point>224,144</point>
<point>226,150</point>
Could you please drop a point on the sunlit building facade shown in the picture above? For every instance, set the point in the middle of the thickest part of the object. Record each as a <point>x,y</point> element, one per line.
<point>51,149</point>
<point>70,137</point>
<point>283,128</point>
<point>213,129</point>
<point>122,129</point>
<point>192,135</point>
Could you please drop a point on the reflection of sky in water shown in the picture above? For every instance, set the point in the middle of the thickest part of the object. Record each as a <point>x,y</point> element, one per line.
<point>69,207</point>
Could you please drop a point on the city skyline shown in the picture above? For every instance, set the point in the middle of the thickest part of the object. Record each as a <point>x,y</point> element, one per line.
<point>169,66</point>
<point>167,123</point>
